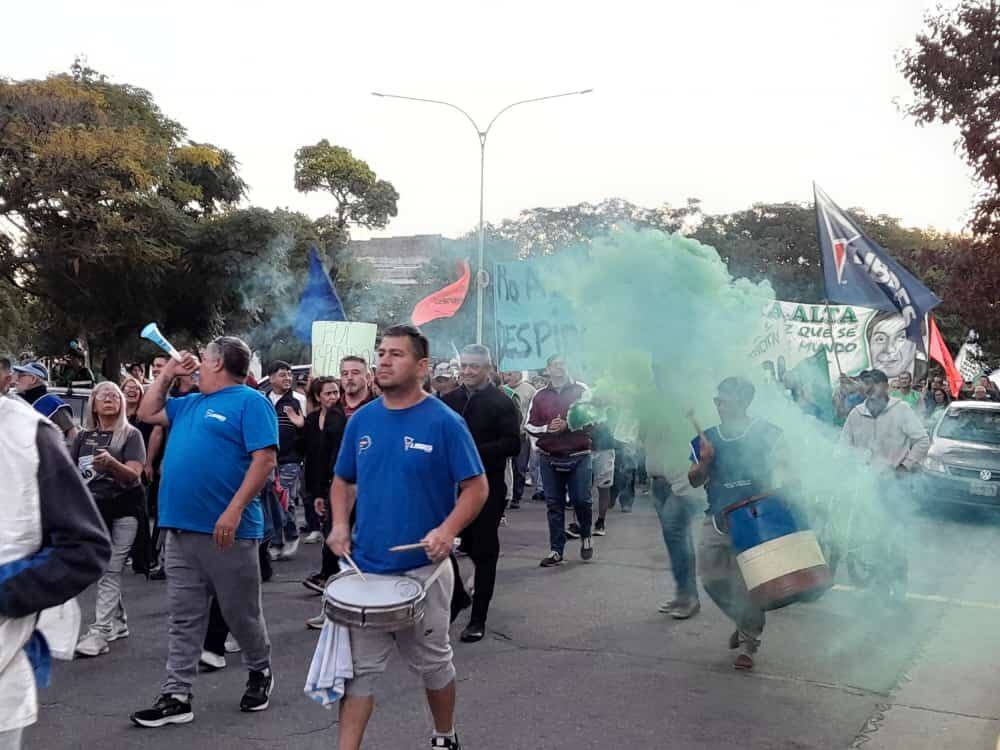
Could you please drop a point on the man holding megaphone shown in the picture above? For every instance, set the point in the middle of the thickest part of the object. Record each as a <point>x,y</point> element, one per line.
<point>221,451</point>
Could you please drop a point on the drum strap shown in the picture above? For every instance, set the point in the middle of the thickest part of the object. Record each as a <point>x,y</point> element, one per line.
<point>436,574</point>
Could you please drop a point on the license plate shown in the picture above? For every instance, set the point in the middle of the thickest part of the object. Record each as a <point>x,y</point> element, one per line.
<point>983,489</point>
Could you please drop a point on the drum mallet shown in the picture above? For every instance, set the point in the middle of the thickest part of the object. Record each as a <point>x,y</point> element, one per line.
<point>350,560</point>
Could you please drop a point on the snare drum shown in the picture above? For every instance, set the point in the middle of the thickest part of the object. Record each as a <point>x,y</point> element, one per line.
<point>382,602</point>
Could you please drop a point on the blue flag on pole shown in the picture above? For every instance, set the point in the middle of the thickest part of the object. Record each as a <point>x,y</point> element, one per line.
<point>856,271</point>
<point>319,300</point>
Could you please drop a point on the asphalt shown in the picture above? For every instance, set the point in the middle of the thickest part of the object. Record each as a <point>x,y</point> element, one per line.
<point>577,657</point>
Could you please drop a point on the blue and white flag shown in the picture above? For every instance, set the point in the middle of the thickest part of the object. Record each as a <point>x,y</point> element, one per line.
<point>319,300</point>
<point>856,271</point>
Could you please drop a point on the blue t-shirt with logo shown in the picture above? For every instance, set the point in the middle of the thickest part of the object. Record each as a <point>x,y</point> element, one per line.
<point>207,457</point>
<point>407,464</point>
<point>743,465</point>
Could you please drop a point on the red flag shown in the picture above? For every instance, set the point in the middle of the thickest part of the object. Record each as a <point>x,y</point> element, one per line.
<point>444,303</point>
<point>938,351</point>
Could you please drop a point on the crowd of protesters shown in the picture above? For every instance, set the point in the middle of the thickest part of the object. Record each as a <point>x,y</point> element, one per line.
<point>185,462</point>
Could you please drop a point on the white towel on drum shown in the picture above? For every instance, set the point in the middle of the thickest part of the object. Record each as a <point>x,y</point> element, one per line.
<point>331,665</point>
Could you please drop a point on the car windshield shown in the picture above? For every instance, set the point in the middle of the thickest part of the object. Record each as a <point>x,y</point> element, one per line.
<point>972,425</point>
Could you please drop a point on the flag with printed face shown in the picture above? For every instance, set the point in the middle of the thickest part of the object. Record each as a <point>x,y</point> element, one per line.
<point>857,271</point>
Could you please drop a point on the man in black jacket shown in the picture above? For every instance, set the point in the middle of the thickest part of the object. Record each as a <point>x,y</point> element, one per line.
<point>495,424</point>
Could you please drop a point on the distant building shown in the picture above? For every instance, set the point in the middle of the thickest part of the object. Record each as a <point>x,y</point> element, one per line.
<point>398,259</point>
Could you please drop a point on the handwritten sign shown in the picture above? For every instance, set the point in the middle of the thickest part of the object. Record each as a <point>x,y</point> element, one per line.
<point>532,323</point>
<point>332,340</point>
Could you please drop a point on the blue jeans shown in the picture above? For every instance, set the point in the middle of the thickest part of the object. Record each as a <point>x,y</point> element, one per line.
<point>675,513</point>
<point>279,524</point>
<point>562,476</point>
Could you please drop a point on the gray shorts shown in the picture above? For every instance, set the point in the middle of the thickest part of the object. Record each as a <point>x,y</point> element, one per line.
<point>604,468</point>
<point>426,646</point>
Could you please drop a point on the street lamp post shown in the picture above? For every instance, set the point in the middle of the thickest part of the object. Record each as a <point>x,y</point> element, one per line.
<point>481,134</point>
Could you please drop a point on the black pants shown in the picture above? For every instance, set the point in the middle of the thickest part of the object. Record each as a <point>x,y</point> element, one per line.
<point>215,636</point>
<point>481,542</point>
<point>331,563</point>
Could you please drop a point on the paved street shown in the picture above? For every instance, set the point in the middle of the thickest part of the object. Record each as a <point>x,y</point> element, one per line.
<point>577,657</point>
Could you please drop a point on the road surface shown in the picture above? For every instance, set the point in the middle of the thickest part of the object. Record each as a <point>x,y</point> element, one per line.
<point>577,657</point>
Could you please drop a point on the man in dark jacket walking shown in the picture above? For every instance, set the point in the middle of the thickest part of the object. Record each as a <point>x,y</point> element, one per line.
<point>495,424</point>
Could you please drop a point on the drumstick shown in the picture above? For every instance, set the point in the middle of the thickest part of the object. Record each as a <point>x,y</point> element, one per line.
<point>350,560</point>
<point>418,545</point>
<point>697,427</point>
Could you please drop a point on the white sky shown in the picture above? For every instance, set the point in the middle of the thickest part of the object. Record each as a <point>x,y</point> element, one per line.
<point>730,101</point>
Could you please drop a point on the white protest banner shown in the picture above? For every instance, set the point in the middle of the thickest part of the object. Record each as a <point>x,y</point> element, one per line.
<point>332,340</point>
<point>864,339</point>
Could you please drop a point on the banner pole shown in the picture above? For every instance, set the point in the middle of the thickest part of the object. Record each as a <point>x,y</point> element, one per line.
<point>833,340</point>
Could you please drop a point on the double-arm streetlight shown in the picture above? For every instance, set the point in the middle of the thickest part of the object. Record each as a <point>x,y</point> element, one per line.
<point>481,275</point>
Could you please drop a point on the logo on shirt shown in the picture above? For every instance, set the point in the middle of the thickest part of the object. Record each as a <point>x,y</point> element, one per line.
<point>212,414</point>
<point>409,443</point>
<point>364,443</point>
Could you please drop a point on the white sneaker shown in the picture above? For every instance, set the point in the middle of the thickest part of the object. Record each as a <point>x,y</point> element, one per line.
<point>314,537</point>
<point>210,662</point>
<point>232,647</point>
<point>92,644</point>
<point>118,631</point>
<point>289,550</point>
<point>274,553</point>
<point>317,622</point>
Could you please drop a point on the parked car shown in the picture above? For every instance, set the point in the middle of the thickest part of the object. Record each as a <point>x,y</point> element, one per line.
<point>963,464</point>
<point>75,397</point>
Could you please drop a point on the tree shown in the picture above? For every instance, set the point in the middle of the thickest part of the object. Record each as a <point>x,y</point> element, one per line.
<point>954,70</point>
<point>361,198</point>
<point>113,218</point>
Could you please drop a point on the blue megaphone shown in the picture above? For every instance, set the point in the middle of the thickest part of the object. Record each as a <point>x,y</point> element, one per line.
<point>152,333</point>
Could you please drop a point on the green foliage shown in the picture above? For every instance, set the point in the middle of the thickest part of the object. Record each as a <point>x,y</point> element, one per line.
<point>362,199</point>
<point>113,218</point>
<point>954,70</point>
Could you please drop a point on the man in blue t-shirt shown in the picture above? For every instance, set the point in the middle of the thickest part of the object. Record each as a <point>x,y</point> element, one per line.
<point>734,461</point>
<point>404,459</point>
<point>220,453</point>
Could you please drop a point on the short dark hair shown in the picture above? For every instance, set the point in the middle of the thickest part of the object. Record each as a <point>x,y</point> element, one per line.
<point>161,355</point>
<point>235,355</point>
<point>478,350</point>
<point>740,387</point>
<point>278,364</point>
<point>354,358</point>
<point>419,344</point>
<point>6,364</point>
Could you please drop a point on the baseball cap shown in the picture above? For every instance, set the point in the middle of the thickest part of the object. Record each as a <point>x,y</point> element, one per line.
<point>444,371</point>
<point>37,369</point>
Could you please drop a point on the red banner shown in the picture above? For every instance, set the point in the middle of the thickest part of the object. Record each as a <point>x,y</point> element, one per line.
<point>938,351</point>
<point>444,303</point>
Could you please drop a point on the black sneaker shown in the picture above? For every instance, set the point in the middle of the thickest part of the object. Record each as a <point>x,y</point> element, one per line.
<point>258,694</point>
<point>316,582</point>
<point>448,743</point>
<point>573,531</point>
<point>586,549</point>
<point>551,560</point>
<point>168,709</point>
<point>599,529</point>
<point>515,505</point>
<point>158,574</point>
<point>538,497</point>
<point>473,632</point>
